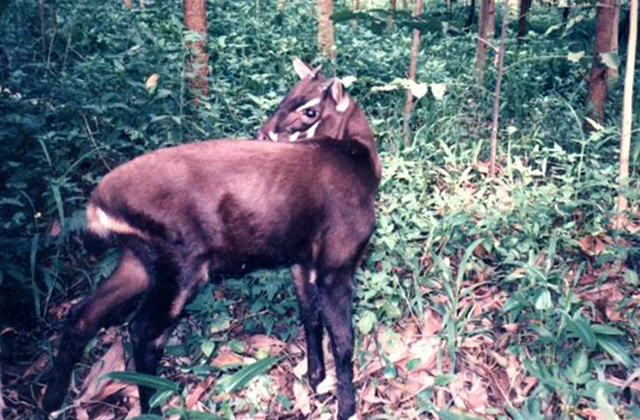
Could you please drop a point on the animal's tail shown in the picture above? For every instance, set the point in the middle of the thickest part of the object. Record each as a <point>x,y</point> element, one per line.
<point>103,228</point>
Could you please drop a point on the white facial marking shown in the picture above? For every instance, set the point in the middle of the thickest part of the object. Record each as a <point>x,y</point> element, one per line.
<point>311,103</point>
<point>294,136</point>
<point>312,130</point>
<point>313,276</point>
<point>273,136</point>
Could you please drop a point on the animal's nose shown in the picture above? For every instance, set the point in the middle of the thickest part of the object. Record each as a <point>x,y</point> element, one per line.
<point>261,136</point>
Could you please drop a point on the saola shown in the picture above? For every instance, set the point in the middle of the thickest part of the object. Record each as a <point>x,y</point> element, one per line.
<point>232,206</point>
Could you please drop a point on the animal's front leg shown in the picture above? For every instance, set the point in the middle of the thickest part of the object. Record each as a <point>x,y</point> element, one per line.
<point>336,302</point>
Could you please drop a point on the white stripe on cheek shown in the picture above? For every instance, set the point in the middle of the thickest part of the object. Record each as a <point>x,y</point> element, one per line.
<point>294,136</point>
<point>273,136</point>
<point>311,103</point>
<point>312,130</point>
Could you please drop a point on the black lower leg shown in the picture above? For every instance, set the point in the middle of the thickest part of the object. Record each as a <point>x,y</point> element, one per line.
<point>310,314</point>
<point>335,298</point>
<point>148,334</point>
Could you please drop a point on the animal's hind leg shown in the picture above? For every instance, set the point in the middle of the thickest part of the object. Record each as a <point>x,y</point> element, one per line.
<point>112,301</point>
<point>162,307</point>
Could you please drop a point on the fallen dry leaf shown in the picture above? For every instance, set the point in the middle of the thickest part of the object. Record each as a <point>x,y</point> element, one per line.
<point>591,246</point>
<point>226,358</point>
<point>328,384</point>
<point>263,342</point>
<point>301,368</point>
<point>94,387</point>
<point>302,398</point>
<point>432,323</point>
<point>201,388</point>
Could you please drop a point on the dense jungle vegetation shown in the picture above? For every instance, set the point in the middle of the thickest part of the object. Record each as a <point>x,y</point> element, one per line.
<point>506,297</point>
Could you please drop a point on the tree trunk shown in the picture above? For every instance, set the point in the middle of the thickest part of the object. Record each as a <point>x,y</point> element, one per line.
<point>627,102</point>
<point>356,7</point>
<point>598,76</point>
<point>612,74</point>
<point>195,19</point>
<point>472,9</point>
<point>42,30</point>
<point>491,19</point>
<point>525,7</point>
<point>481,48</point>
<point>408,105</point>
<point>325,28</point>
<point>496,98</point>
<point>390,15</point>
<point>565,12</point>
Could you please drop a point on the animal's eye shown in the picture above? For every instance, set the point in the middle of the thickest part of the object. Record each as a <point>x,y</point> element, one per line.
<point>309,112</point>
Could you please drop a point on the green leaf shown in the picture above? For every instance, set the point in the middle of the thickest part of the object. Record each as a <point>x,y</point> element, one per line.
<point>450,415</point>
<point>542,331</point>
<point>615,350</point>
<point>631,277</point>
<point>144,380</point>
<point>608,411</point>
<point>610,59</point>
<point>236,381</point>
<point>199,415</point>
<point>190,415</point>
<point>543,301</point>
<point>438,90</point>
<point>579,365</point>
<point>390,371</point>
<point>580,362</point>
<point>237,346</point>
<point>392,310</point>
<point>368,320</point>
<point>462,268</point>
<point>413,364</point>
<point>148,417</point>
<point>606,330</point>
<point>207,347</point>
<point>581,327</point>
<point>442,380</point>
<point>160,397</point>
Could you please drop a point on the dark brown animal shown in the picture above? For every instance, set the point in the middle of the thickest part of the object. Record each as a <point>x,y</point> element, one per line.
<point>230,207</point>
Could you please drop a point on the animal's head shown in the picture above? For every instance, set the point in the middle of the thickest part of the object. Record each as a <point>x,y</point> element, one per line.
<point>315,107</point>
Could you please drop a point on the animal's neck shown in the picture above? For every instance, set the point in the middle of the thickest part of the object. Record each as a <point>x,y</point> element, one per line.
<point>358,130</point>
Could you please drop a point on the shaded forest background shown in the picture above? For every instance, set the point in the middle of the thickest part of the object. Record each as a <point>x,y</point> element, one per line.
<point>506,296</point>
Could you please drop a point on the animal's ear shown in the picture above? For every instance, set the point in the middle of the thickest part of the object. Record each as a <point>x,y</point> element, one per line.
<point>316,71</point>
<point>339,96</point>
<point>301,68</point>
